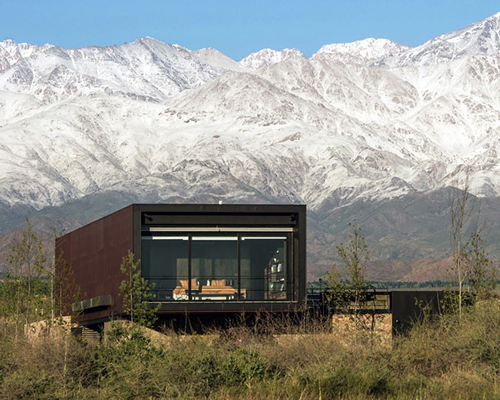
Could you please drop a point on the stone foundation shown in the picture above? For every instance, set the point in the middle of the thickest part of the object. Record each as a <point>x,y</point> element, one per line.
<point>378,326</point>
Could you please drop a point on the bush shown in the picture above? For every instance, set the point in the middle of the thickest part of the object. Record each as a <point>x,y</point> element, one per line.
<point>243,366</point>
<point>28,385</point>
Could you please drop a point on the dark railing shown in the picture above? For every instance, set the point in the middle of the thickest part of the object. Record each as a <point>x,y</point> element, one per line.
<point>373,299</point>
<point>204,288</point>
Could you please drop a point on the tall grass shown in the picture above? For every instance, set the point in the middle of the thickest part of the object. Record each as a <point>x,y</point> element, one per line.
<point>273,359</point>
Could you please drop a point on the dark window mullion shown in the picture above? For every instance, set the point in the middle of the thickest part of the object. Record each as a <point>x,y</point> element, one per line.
<point>189,267</point>
<point>290,270</point>
<point>238,255</point>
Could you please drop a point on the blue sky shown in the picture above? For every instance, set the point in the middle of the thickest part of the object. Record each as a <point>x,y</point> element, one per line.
<point>236,27</point>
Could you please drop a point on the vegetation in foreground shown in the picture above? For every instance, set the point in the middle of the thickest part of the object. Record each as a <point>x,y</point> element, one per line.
<point>449,357</point>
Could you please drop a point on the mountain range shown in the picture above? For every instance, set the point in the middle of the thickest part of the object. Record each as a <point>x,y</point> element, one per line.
<point>370,131</point>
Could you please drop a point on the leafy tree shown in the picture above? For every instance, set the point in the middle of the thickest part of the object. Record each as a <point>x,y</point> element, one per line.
<point>481,273</point>
<point>472,271</point>
<point>135,291</point>
<point>25,290</point>
<point>37,286</point>
<point>350,295</point>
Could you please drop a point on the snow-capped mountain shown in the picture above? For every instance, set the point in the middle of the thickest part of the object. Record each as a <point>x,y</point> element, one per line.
<point>482,38</point>
<point>11,52</point>
<point>218,60</point>
<point>365,121</point>
<point>149,68</point>
<point>269,56</point>
<point>361,51</point>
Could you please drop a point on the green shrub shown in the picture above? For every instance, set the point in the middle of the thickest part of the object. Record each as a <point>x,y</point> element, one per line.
<point>243,366</point>
<point>341,381</point>
<point>27,385</point>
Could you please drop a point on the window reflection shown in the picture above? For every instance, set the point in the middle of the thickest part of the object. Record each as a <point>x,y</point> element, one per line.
<point>263,267</point>
<point>165,265</point>
<point>214,268</point>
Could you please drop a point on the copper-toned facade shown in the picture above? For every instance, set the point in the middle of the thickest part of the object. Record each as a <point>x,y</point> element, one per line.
<point>94,253</point>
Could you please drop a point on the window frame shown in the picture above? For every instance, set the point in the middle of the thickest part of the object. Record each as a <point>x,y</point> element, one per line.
<point>288,233</point>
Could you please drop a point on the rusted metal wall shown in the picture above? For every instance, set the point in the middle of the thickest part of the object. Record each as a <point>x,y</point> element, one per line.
<point>94,253</point>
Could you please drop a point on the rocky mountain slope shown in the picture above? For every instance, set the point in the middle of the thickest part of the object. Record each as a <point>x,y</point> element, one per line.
<point>482,38</point>
<point>369,122</point>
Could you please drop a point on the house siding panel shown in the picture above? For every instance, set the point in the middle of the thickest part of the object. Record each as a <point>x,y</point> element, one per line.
<point>95,253</point>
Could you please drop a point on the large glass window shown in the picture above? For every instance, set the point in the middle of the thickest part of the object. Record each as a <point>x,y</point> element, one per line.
<point>214,268</point>
<point>263,268</point>
<point>222,266</point>
<point>165,265</point>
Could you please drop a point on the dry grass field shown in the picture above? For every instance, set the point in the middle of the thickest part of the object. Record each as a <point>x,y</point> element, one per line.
<point>449,357</point>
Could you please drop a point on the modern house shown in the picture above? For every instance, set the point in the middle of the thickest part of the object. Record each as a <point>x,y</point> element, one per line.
<point>202,258</point>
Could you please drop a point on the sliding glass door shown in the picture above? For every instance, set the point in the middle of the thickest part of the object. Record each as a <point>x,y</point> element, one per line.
<point>263,267</point>
<point>214,267</point>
